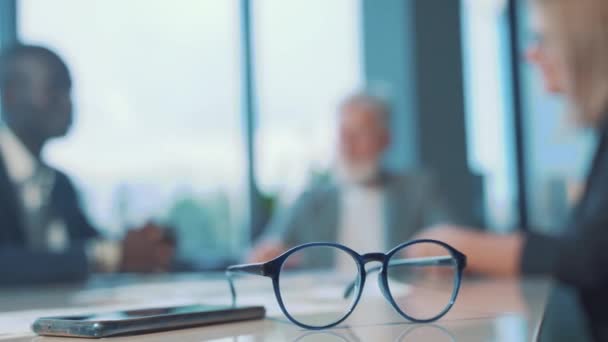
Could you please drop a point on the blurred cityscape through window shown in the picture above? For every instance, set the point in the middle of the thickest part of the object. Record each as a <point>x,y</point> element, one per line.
<point>488,104</point>
<point>159,129</point>
<point>307,58</point>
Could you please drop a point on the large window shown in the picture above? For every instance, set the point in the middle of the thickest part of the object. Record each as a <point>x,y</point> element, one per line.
<point>489,111</point>
<point>557,153</point>
<point>307,57</point>
<point>159,130</point>
<point>158,119</point>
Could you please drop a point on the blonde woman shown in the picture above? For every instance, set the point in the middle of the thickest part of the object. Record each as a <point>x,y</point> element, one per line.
<point>571,53</point>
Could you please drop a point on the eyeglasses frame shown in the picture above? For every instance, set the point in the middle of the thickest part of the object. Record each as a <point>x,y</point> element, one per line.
<point>272,269</point>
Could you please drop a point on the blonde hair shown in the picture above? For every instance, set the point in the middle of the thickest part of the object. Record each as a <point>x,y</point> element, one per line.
<point>579,29</point>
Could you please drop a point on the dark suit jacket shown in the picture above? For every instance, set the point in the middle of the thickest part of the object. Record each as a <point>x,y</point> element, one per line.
<point>19,265</point>
<point>579,258</point>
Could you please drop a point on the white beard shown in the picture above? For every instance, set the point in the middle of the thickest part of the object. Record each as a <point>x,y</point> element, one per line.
<point>356,174</point>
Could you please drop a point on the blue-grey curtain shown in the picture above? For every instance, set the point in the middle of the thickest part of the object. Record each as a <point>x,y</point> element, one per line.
<point>8,23</point>
<point>8,27</point>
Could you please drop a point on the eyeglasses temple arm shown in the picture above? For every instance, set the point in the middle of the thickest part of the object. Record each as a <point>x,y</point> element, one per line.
<point>233,271</point>
<point>418,262</point>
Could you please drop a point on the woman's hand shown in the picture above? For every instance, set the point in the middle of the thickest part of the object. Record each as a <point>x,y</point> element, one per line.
<point>487,253</point>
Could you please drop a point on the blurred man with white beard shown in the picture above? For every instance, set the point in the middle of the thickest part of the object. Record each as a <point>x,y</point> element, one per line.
<point>365,207</point>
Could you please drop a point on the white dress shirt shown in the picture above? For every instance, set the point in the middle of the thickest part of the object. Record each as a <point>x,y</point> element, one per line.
<point>33,182</point>
<point>362,221</point>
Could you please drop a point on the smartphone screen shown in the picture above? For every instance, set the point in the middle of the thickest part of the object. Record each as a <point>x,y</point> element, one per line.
<point>143,320</point>
<point>121,315</point>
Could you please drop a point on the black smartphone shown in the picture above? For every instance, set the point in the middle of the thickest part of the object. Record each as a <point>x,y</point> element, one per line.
<point>143,321</point>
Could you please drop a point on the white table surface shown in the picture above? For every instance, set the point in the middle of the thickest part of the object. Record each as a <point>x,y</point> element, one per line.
<point>486,310</point>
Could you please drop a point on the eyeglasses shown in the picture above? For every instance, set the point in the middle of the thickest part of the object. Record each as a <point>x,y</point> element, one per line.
<point>421,289</point>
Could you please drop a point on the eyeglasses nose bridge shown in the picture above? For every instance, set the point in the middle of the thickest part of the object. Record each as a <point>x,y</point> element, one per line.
<point>371,257</point>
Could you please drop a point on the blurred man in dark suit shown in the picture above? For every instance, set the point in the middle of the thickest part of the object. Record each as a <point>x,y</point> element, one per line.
<point>44,235</point>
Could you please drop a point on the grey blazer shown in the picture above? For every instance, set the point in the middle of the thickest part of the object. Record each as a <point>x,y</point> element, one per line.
<point>412,202</point>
